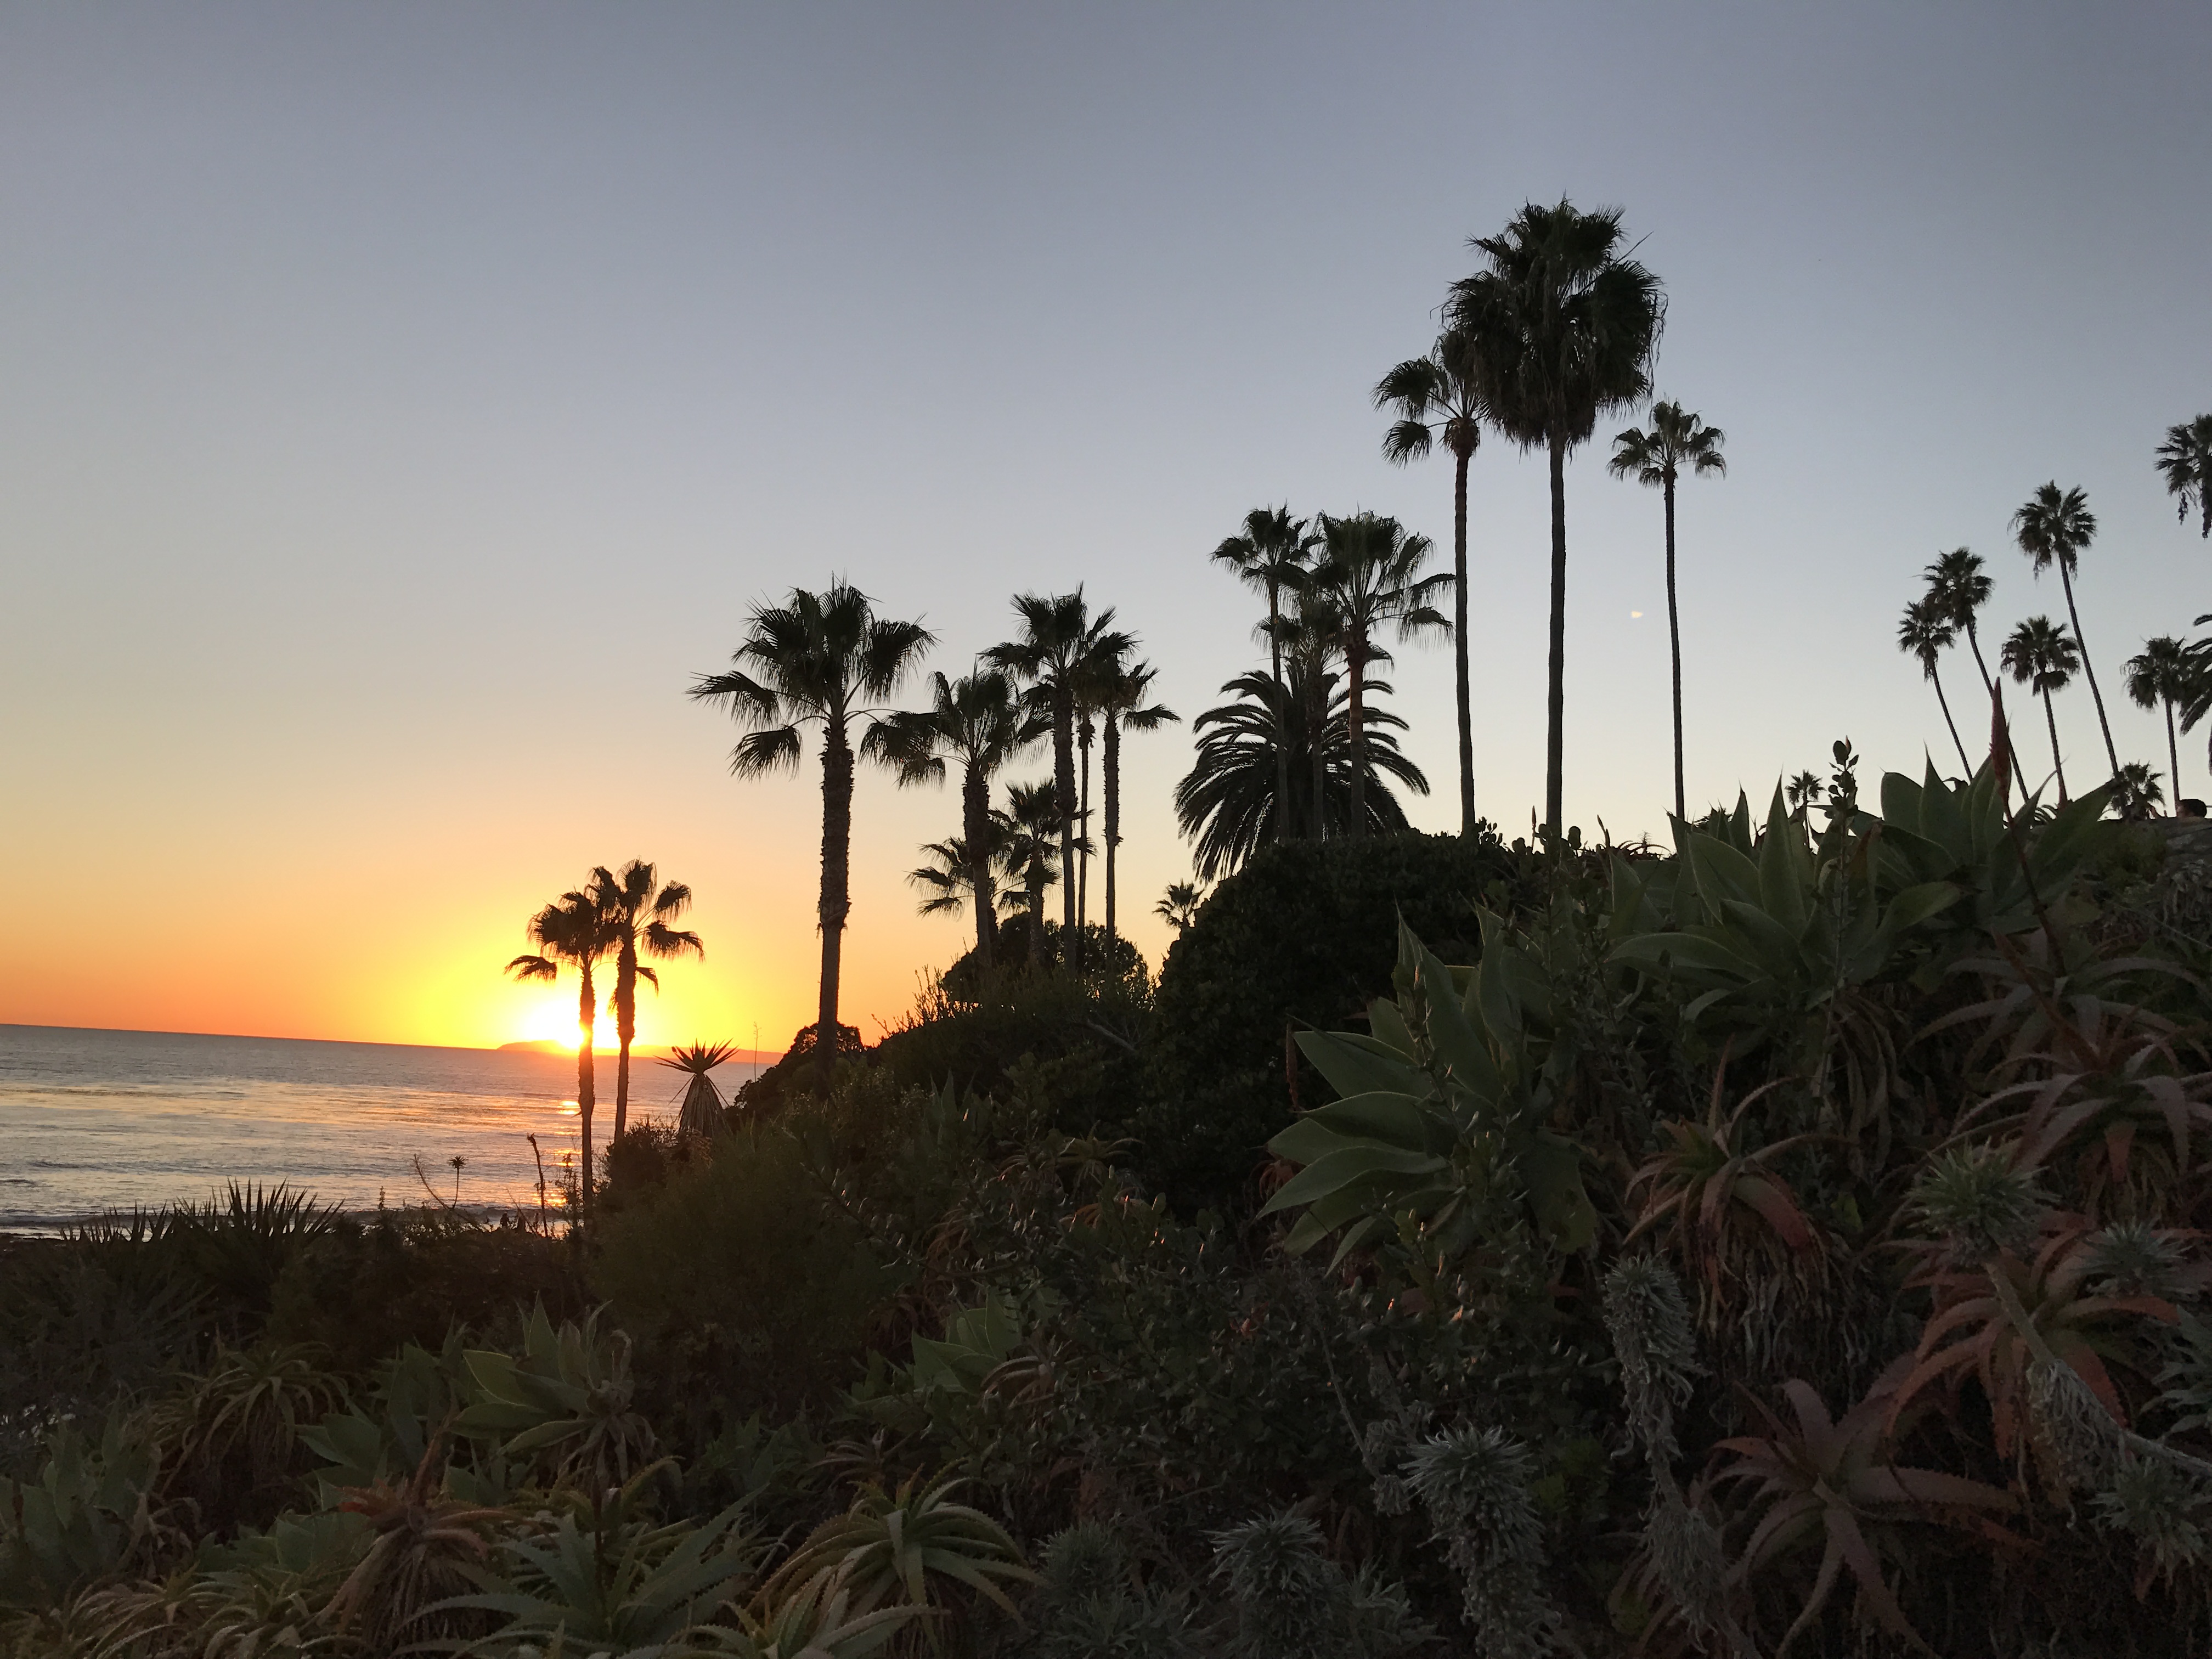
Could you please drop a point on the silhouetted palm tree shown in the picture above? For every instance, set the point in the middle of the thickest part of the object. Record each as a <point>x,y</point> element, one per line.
<point>1178,905</point>
<point>1959,586</point>
<point>1371,572</point>
<point>1312,640</point>
<point>638,913</point>
<point>1028,848</point>
<point>1440,397</point>
<point>1228,802</point>
<point>2041,656</point>
<point>2136,792</point>
<point>1121,688</point>
<point>2162,676</point>
<point>1678,438</point>
<point>572,931</point>
<point>2053,527</point>
<point>1804,791</point>
<point>1271,554</point>
<point>1058,639</point>
<point>824,658</point>
<point>947,882</point>
<point>977,722</point>
<point>1925,632</point>
<point>2184,460</point>
<point>1562,327</point>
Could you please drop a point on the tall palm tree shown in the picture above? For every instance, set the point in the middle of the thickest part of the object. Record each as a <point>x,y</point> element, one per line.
<point>1678,438</point>
<point>572,931</point>
<point>1440,397</point>
<point>1059,640</point>
<point>1271,554</point>
<point>1228,802</point>
<point>639,914</point>
<point>1562,324</point>
<point>2041,656</point>
<point>1370,571</point>
<point>2053,527</point>
<point>827,659</point>
<point>1925,632</point>
<point>1121,688</point>
<point>2162,675</point>
<point>978,722</point>
<point>2184,460</point>
<point>1029,852</point>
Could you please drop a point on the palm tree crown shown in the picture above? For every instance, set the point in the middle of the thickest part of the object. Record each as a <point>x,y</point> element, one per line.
<point>1563,325</point>
<point>2053,528</point>
<point>1925,631</point>
<point>639,913</point>
<point>2042,657</point>
<point>825,660</point>
<point>1271,554</point>
<point>2165,674</point>
<point>1371,572</point>
<point>573,932</point>
<point>2184,460</point>
<point>1678,438</point>
<point>1440,397</point>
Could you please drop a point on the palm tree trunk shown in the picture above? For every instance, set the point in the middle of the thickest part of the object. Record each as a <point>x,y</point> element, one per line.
<point>1063,783</point>
<point>625,1028</point>
<point>1674,643</point>
<point>2057,764</point>
<point>1283,827</point>
<point>1083,851</point>
<point>1036,914</point>
<point>1555,708</point>
<point>2089,668</point>
<point>1110,779</point>
<point>1936,680</point>
<point>976,830</point>
<point>2173,759</point>
<point>1317,742</point>
<point>837,902</point>
<point>587,1008</point>
<point>1355,667</point>
<point>1459,642</point>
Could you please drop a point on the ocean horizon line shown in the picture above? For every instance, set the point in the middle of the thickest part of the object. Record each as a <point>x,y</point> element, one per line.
<point>534,1045</point>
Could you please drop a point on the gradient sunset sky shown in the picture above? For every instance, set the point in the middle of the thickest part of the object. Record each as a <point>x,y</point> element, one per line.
<point>400,404</point>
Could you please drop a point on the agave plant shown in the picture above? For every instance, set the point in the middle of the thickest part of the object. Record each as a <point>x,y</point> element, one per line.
<point>897,1548</point>
<point>85,1517</point>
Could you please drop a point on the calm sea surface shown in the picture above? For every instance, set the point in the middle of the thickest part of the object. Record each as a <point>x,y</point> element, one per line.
<point>92,1121</point>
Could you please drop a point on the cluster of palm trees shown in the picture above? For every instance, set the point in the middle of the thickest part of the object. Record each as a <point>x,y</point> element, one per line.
<point>2053,528</point>
<point>1068,674</point>
<point>628,914</point>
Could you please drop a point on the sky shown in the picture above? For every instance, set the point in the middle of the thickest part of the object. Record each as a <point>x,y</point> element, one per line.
<point>399,404</point>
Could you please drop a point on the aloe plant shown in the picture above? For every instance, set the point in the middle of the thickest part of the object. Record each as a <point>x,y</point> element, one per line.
<point>899,1548</point>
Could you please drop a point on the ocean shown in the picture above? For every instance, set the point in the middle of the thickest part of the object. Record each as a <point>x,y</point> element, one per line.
<point>100,1120</point>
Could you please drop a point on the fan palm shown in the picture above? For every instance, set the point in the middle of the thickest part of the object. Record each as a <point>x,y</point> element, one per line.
<point>1925,631</point>
<point>979,722</point>
<point>1370,573</point>
<point>1678,438</point>
<point>702,1110</point>
<point>638,911</point>
<point>1028,848</point>
<point>2137,794</point>
<point>2184,460</point>
<point>2042,657</point>
<point>1228,802</point>
<point>573,932</point>
<point>1440,397</point>
<point>827,659</point>
<point>1178,905</point>
<point>2162,675</point>
<point>947,882</point>
<point>1562,327</point>
<point>1059,641</point>
<point>1121,688</point>
<point>2053,527</point>
<point>1271,554</point>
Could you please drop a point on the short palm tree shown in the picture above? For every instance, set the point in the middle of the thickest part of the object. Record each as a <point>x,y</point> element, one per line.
<point>2137,794</point>
<point>703,1107</point>
<point>2184,460</point>
<point>572,931</point>
<point>980,724</point>
<point>639,913</point>
<point>1027,840</point>
<point>1925,632</point>
<point>1370,573</point>
<point>2042,657</point>
<point>1678,440</point>
<point>1228,803</point>
<point>2053,527</point>
<point>1121,689</point>
<point>1440,397</point>
<point>1178,905</point>
<point>1271,554</point>
<point>1059,641</point>
<point>2162,676</point>
<point>825,660</point>
<point>1562,325</point>
<point>947,883</point>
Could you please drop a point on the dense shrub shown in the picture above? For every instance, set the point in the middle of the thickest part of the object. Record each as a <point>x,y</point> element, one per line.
<point>1301,936</point>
